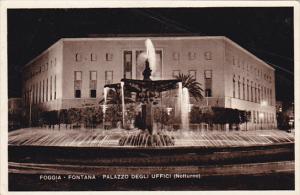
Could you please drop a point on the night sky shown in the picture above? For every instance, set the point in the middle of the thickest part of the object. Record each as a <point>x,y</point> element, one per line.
<point>265,32</point>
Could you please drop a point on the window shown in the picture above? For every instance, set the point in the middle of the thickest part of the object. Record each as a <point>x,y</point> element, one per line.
<point>207,55</point>
<point>176,56</point>
<point>109,56</point>
<point>93,57</point>
<point>33,94</point>
<point>255,93</point>
<point>47,90</point>
<point>208,74</point>
<point>208,93</point>
<point>271,97</point>
<point>77,83</point>
<point>50,88</point>
<point>108,77</point>
<point>127,64</point>
<point>93,84</point>
<point>239,88</point>
<point>36,93</point>
<point>78,75</point>
<point>244,97</point>
<point>192,55</point>
<point>193,73</point>
<point>93,93</point>
<point>262,93</point>
<point>40,92</point>
<point>208,83</point>
<point>258,93</point>
<point>251,92</point>
<point>55,87</point>
<point>77,93</point>
<point>265,93</point>
<point>175,73</point>
<point>78,57</point>
<point>268,94</point>
<point>233,87</point>
<point>43,91</point>
<point>248,96</point>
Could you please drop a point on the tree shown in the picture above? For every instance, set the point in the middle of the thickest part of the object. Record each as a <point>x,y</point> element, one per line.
<point>192,85</point>
<point>161,116</point>
<point>74,116</point>
<point>219,115</point>
<point>114,102</point>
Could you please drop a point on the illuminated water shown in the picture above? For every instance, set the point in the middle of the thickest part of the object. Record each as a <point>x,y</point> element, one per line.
<point>105,91</point>
<point>151,56</point>
<point>185,108</point>
<point>123,103</point>
<point>179,101</point>
<point>113,137</point>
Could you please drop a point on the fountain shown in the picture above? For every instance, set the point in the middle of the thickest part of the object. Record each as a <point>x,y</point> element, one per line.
<point>148,92</point>
<point>106,90</point>
<point>185,108</point>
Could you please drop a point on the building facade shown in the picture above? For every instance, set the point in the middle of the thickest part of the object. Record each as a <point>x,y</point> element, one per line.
<point>73,71</point>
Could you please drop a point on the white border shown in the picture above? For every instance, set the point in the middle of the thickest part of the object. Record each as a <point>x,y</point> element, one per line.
<point>5,4</point>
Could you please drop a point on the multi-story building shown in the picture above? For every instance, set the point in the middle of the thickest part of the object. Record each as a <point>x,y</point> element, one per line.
<point>73,71</point>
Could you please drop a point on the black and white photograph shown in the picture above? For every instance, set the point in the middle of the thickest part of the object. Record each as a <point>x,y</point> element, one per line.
<point>150,99</point>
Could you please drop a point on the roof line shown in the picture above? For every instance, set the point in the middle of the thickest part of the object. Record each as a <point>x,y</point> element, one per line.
<point>43,52</point>
<point>247,52</point>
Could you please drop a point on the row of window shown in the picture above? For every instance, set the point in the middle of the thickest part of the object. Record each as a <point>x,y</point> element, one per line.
<point>109,56</point>
<point>93,82</point>
<point>251,91</point>
<point>192,55</point>
<point>262,117</point>
<point>42,91</point>
<point>39,69</point>
<point>109,80</point>
<point>251,68</point>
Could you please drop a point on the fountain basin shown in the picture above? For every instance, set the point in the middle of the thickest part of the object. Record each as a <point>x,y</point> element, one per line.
<point>145,139</point>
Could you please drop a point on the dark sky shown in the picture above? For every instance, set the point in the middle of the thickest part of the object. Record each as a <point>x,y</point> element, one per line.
<point>266,32</point>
